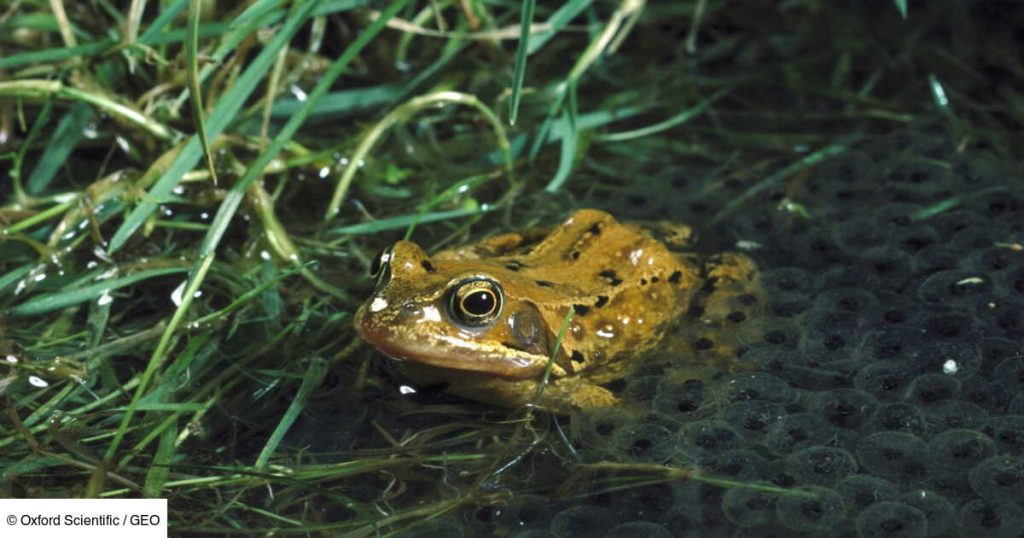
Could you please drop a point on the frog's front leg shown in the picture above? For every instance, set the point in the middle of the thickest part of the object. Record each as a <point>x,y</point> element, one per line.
<point>560,395</point>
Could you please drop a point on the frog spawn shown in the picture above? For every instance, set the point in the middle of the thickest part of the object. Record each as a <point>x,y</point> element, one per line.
<point>886,362</point>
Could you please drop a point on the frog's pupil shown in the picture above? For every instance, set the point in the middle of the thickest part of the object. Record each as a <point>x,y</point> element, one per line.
<point>479,303</point>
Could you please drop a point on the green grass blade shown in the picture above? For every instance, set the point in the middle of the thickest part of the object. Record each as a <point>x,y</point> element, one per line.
<point>69,131</point>
<point>254,12</point>
<point>69,297</point>
<point>901,6</point>
<point>338,103</point>
<point>156,477</point>
<point>570,137</point>
<point>557,21</point>
<point>228,106</point>
<point>55,55</point>
<point>15,275</point>
<point>167,15</point>
<point>679,118</point>
<point>194,91</point>
<point>311,380</point>
<point>521,53</point>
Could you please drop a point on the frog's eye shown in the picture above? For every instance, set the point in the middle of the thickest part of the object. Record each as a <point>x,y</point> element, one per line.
<point>475,302</point>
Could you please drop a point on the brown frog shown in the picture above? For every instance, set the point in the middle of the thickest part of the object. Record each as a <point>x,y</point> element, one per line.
<point>484,318</point>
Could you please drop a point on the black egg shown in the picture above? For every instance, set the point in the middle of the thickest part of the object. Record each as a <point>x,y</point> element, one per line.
<point>937,510</point>
<point>810,509</point>
<point>896,455</point>
<point>886,380</point>
<point>999,478</point>
<point>932,387</point>
<point>901,417</point>
<point>752,419</point>
<point>738,463</point>
<point>698,440</point>
<point>991,518</point>
<point>679,401</point>
<point>821,465</point>
<point>845,408</point>
<point>644,442</point>
<point>889,519</point>
<point>860,491</point>
<point>748,508</point>
<point>1008,433</point>
<point>795,432</point>
<point>754,386</point>
<point>960,449</point>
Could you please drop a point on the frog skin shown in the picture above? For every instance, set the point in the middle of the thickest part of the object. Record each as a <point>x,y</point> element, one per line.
<point>483,319</point>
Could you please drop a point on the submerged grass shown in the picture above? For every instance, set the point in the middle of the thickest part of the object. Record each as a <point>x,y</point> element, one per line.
<point>182,329</point>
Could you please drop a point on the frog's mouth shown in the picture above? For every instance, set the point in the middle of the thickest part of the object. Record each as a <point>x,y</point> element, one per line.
<point>453,352</point>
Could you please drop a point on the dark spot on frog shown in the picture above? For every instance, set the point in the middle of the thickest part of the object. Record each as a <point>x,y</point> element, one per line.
<point>736,316</point>
<point>543,283</point>
<point>601,301</point>
<point>575,254</point>
<point>595,229</point>
<point>427,266</point>
<point>610,276</point>
<point>514,265</point>
<point>675,277</point>
<point>747,299</point>
<point>654,280</point>
<point>580,310</point>
<point>576,356</point>
<point>703,344</point>
<point>643,281</point>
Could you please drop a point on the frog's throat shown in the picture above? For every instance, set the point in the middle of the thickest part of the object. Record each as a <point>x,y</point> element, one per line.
<point>456,353</point>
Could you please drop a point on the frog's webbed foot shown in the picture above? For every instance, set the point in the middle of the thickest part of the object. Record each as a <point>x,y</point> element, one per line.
<point>573,394</point>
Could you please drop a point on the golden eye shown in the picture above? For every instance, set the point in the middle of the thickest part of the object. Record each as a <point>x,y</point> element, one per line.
<point>475,302</point>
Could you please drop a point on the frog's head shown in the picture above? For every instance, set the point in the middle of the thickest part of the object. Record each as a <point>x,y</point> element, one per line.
<point>453,314</point>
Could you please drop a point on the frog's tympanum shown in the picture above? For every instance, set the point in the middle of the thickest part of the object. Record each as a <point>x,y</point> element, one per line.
<point>483,319</point>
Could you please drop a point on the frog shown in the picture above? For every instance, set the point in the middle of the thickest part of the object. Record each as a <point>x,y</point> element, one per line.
<point>546,317</point>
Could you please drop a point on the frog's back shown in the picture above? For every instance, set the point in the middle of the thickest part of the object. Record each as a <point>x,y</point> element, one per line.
<point>624,286</point>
